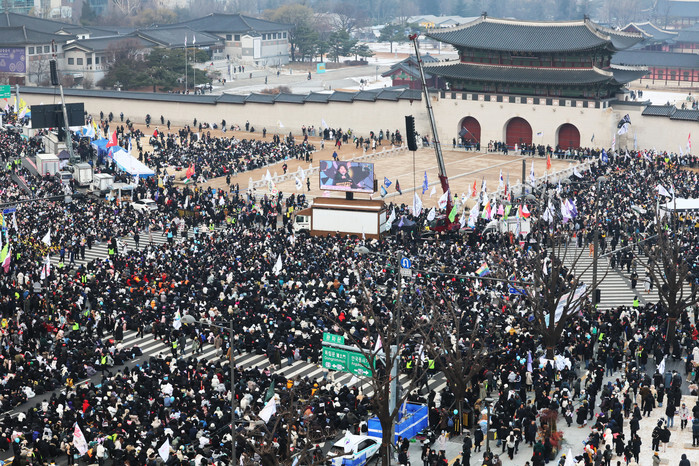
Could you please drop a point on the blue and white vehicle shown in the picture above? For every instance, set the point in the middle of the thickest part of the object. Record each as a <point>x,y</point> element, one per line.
<point>353,450</point>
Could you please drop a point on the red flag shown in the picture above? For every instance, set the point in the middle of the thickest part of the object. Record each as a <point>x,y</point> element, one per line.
<point>155,133</point>
<point>473,191</point>
<point>190,171</point>
<point>548,161</point>
<point>112,140</point>
<point>525,211</point>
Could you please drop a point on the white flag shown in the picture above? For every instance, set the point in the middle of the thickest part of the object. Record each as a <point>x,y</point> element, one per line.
<point>661,366</point>
<point>434,191</point>
<point>47,238</point>
<point>302,174</point>
<point>79,441</point>
<point>281,125</point>
<point>614,143</point>
<point>391,218</point>
<point>577,173</point>
<point>532,177</point>
<point>299,185</point>
<point>570,461</point>
<point>46,268</point>
<point>164,450</point>
<point>662,191</point>
<point>276,270</point>
<point>681,152</point>
<point>431,214</point>
<point>269,409</point>
<point>268,176</point>
<point>443,200</point>
<point>324,124</point>
<point>417,205</point>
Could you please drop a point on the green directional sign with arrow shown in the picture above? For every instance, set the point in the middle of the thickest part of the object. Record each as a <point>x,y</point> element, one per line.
<point>346,361</point>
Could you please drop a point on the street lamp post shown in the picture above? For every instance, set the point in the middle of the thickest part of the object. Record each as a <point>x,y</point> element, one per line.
<point>188,319</point>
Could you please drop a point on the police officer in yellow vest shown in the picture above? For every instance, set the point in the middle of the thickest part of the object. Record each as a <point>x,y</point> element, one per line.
<point>636,302</point>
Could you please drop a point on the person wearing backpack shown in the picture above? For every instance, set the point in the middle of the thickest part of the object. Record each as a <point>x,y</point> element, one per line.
<point>607,455</point>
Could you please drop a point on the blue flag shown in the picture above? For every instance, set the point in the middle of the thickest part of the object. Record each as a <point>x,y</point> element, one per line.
<point>383,192</point>
<point>425,185</point>
<point>386,181</point>
<point>605,157</point>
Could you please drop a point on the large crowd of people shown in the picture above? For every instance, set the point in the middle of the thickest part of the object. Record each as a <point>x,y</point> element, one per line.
<point>65,324</point>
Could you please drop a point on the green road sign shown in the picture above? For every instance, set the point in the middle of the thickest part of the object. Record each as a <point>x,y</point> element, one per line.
<point>5,92</point>
<point>335,359</point>
<point>346,361</point>
<point>358,365</point>
<point>332,338</point>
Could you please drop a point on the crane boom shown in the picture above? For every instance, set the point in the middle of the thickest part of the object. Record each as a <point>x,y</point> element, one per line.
<point>444,181</point>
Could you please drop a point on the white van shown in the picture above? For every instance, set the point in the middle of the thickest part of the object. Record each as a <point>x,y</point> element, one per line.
<point>65,177</point>
<point>354,450</point>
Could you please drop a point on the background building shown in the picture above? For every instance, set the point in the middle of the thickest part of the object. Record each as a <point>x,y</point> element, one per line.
<point>245,38</point>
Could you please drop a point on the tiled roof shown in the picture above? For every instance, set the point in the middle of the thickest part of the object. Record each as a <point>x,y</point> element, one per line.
<point>235,23</point>
<point>366,96</point>
<point>341,97</point>
<point>317,97</point>
<point>101,44</point>
<point>174,36</point>
<point>688,35</point>
<point>685,114</point>
<point>529,36</point>
<point>648,58</point>
<point>659,110</point>
<point>290,98</point>
<point>22,35</point>
<point>393,94</point>
<point>260,98</point>
<point>652,31</point>
<point>525,75</point>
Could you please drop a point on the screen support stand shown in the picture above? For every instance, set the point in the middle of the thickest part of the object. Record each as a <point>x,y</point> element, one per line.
<point>349,196</point>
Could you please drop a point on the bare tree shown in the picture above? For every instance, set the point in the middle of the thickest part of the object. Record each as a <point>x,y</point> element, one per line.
<point>669,271</point>
<point>272,441</point>
<point>555,294</point>
<point>453,339</point>
<point>127,7</point>
<point>393,329</point>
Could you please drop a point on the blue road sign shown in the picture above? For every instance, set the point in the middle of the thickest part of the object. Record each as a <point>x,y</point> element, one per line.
<point>405,263</point>
<point>11,210</point>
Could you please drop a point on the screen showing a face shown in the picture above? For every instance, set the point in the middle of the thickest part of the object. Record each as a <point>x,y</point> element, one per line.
<point>347,176</point>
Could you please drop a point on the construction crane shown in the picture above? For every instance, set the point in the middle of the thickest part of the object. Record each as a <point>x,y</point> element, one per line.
<point>443,180</point>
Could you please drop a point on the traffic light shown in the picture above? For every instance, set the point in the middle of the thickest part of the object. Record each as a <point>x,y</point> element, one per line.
<point>410,132</point>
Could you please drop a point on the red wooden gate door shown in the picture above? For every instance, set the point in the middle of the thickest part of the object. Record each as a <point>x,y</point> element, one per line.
<point>518,132</point>
<point>568,137</point>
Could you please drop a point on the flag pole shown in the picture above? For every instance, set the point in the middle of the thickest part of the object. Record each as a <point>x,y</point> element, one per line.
<point>186,73</point>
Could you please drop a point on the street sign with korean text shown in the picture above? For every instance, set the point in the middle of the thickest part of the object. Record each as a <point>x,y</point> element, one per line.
<point>5,92</point>
<point>358,365</point>
<point>332,338</point>
<point>335,359</point>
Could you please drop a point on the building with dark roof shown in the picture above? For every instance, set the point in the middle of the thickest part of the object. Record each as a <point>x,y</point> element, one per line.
<point>406,73</point>
<point>245,38</point>
<point>668,68</point>
<point>548,59</point>
<point>533,63</point>
<point>654,38</point>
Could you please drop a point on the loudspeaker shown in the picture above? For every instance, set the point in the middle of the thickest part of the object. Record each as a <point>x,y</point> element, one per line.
<point>54,72</point>
<point>598,296</point>
<point>410,132</point>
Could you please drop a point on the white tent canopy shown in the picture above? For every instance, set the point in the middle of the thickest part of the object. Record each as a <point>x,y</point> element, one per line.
<point>131,165</point>
<point>680,204</point>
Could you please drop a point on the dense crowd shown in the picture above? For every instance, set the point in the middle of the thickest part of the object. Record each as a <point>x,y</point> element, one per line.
<point>64,324</point>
